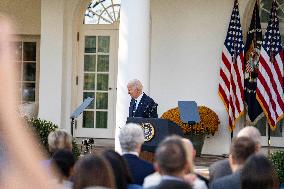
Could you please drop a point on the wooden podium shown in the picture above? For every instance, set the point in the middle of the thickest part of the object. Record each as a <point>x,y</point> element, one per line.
<point>155,130</point>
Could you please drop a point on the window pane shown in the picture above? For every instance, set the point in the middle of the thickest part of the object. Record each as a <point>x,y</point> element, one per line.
<point>278,131</point>
<point>88,119</point>
<point>102,84</point>
<point>29,72</point>
<point>102,12</point>
<point>19,70</point>
<point>90,44</point>
<point>92,95</point>
<point>29,51</point>
<point>266,6</point>
<point>18,50</point>
<point>103,44</point>
<point>90,63</point>
<point>89,81</point>
<point>261,126</point>
<point>101,119</point>
<point>102,101</point>
<point>28,92</point>
<point>265,10</point>
<point>103,62</point>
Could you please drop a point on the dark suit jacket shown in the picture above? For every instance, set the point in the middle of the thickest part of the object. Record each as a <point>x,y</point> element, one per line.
<point>219,169</point>
<point>171,184</point>
<point>147,108</point>
<point>232,181</point>
<point>138,168</point>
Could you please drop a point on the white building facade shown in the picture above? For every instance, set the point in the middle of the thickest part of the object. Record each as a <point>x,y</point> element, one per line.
<point>173,47</point>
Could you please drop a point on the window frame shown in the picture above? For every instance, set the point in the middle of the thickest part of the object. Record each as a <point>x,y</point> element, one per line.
<point>22,39</point>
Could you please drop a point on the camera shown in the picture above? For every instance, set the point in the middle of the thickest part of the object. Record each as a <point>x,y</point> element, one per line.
<point>88,141</point>
<point>87,145</point>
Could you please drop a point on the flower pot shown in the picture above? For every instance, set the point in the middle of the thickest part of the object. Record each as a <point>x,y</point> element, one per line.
<point>197,141</point>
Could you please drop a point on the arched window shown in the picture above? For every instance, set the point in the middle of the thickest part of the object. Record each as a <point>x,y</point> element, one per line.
<point>265,6</point>
<point>102,12</point>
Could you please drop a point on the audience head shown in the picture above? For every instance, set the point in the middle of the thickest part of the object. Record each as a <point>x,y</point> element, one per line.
<point>241,149</point>
<point>252,133</point>
<point>258,173</point>
<point>119,168</point>
<point>92,170</point>
<point>171,157</point>
<point>131,138</point>
<point>64,161</point>
<point>190,154</point>
<point>135,88</point>
<point>59,139</point>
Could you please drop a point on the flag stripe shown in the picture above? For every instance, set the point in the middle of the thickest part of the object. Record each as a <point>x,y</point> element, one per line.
<point>225,82</point>
<point>236,92</point>
<point>231,84</point>
<point>279,71</point>
<point>267,73</point>
<point>223,96</point>
<point>264,105</point>
<point>270,74</point>
<point>266,93</point>
<point>225,58</point>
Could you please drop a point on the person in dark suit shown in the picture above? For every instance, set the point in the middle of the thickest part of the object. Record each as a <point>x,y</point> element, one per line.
<point>222,168</point>
<point>141,105</point>
<point>241,149</point>
<point>219,169</point>
<point>131,138</point>
<point>172,164</point>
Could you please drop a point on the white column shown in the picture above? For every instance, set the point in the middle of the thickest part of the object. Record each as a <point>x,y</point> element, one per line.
<point>133,54</point>
<point>51,58</point>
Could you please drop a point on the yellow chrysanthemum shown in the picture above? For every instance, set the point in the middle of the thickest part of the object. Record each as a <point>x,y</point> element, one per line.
<point>208,124</point>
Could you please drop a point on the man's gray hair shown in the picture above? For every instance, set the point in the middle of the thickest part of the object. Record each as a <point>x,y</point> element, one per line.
<point>250,132</point>
<point>130,136</point>
<point>136,84</point>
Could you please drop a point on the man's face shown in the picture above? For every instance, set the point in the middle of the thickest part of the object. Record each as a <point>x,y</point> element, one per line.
<point>133,92</point>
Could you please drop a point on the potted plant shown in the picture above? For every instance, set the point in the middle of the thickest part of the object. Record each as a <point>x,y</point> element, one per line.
<point>277,159</point>
<point>42,128</point>
<point>208,125</point>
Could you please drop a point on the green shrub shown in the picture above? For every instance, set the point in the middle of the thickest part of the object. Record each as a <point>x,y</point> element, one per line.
<point>277,159</point>
<point>75,150</point>
<point>42,128</point>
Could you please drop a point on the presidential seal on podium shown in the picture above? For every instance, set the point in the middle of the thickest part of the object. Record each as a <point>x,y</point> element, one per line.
<point>149,131</point>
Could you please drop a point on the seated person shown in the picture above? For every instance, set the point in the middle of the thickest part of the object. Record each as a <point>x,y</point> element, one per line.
<point>172,164</point>
<point>241,149</point>
<point>63,161</point>
<point>192,178</point>
<point>93,172</point>
<point>120,170</point>
<point>131,138</point>
<point>222,168</point>
<point>258,172</point>
<point>57,140</point>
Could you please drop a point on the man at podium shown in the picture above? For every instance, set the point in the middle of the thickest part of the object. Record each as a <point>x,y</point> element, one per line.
<point>141,105</point>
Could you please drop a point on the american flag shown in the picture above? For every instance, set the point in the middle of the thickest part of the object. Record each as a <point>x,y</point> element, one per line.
<point>269,92</point>
<point>231,84</point>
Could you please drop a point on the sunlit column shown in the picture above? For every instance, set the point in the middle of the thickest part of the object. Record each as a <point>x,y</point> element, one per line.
<point>51,58</point>
<point>133,54</point>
